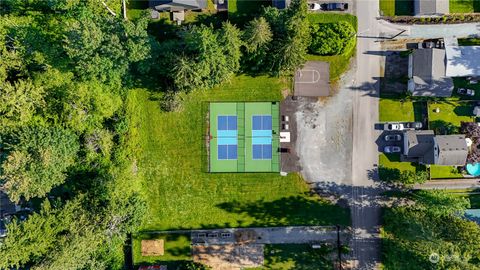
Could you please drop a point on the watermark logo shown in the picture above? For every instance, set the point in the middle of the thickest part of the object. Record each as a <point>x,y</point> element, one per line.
<point>434,258</point>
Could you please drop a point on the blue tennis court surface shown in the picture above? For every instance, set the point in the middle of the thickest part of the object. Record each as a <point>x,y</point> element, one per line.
<point>227,137</point>
<point>262,137</point>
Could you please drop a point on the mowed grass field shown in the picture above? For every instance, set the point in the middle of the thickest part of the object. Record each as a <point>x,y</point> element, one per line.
<point>182,195</point>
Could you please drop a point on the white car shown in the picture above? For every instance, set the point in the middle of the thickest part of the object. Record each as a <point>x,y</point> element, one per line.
<point>314,6</point>
<point>392,149</point>
<point>394,126</point>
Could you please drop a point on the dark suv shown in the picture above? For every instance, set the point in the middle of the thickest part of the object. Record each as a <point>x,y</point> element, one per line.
<point>334,6</point>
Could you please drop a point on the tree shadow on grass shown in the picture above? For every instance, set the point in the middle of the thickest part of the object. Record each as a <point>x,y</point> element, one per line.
<point>303,256</point>
<point>293,210</point>
<point>463,110</point>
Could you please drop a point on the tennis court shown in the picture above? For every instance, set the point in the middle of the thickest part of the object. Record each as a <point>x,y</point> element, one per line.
<point>244,137</point>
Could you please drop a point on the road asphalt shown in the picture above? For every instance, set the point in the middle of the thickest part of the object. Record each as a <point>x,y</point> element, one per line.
<point>365,211</point>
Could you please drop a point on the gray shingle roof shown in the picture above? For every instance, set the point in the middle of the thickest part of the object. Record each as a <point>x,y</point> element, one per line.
<point>429,73</point>
<point>420,145</point>
<point>452,150</point>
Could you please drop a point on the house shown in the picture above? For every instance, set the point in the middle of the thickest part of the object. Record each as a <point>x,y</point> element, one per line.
<point>427,73</point>
<point>430,71</point>
<point>430,7</point>
<point>424,147</point>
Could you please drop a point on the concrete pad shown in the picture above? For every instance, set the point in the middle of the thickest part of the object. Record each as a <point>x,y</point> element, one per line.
<point>313,80</point>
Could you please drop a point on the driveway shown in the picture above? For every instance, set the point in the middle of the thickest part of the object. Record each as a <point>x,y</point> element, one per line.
<point>431,31</point>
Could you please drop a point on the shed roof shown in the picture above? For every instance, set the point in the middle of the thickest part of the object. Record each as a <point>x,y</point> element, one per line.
<point>452,150</point>
<point>431,7</point>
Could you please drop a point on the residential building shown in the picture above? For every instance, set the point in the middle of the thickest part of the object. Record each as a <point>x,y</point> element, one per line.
<point>424,147</point>
<point>430,71</point>
<point>427,73</point>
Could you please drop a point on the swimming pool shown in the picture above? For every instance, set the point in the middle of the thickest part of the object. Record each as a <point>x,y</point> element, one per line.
<point>473,169</point>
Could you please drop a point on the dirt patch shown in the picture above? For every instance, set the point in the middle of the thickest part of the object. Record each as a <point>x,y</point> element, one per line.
<point>152,247</point>
<point>229,257</point>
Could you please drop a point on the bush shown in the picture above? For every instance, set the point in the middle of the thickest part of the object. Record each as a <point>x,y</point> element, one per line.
<point>331,38</point>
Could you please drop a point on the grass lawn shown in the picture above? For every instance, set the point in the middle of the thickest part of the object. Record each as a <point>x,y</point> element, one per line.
<point>296,256</point>
<point>338,63</point>
<point>464,6</point>
<point>395,110</point>
<point>177,249</point>
<point>396,7</point>
<point>463,83</point>
<point>450,112</point>
<point>392,161</point>
<point>468,42</point>
<point>181,195</point>
<point>444,172</point>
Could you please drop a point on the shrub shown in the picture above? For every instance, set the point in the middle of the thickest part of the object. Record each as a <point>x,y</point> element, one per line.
<point>331,38</point>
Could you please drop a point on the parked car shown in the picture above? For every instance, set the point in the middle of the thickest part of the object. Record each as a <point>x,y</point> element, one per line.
<point>334,6</point>
<point>466,92</point>
<point>392,149</point>
<point>413,125</point>
<point>314,6</point>
<point>393,126</point>
<point>393,138</point>
<point>426,45</point>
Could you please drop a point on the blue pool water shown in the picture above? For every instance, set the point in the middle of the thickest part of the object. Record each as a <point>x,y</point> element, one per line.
<point>473,169</point>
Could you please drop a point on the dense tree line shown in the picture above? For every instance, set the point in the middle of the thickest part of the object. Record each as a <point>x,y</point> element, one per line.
<point>428,231</point>
<point>65,147</point>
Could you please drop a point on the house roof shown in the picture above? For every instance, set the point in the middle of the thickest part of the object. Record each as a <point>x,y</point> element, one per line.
<point>428,73</point>
<point>462,61</point>
<point>452,150</point>
<point>431,7</point>
<point>281,4</point>
<point>420,145</point>
<point>177,5</point>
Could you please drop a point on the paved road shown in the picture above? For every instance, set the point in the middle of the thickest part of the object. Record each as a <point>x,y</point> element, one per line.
<point>450,184</point>
<point>365,211</point>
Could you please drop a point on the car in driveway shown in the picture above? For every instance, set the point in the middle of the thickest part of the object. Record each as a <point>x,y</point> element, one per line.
<point>393,138</point>
<point>413,125</point>
<point>393,126</point>
<point>466,92</point>
<point>334,6</point>
<point>392,149</point>
<point>314,6</point>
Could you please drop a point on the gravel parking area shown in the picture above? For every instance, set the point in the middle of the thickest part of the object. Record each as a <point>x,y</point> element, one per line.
<point>324,137</point>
